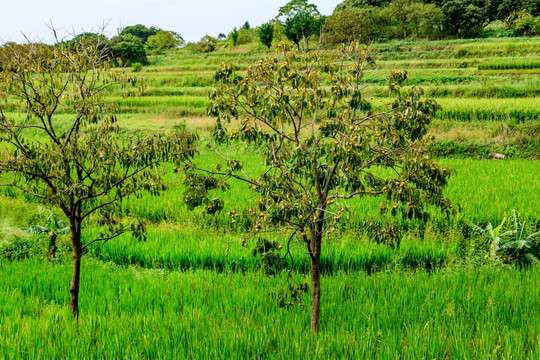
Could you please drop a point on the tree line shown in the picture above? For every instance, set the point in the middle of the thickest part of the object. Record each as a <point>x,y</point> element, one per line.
<point>131,46</point>
<point>381,20</point>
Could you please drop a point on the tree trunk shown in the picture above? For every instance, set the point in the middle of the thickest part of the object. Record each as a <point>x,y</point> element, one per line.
<point>315,280</point>
<point>52,246</point>
<point>75,280</point>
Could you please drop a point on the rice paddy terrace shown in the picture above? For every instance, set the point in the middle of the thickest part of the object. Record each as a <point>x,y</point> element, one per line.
<point>192,290</point>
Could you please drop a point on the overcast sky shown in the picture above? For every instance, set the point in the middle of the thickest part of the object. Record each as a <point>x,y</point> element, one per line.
<point>190,18</point>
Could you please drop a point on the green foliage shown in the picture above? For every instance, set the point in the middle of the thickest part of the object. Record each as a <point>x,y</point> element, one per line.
<point>139,31</point>
<point>385,232</point>
<point>84,167</point>
<point>128,49</point>
<point>226,316</point>
<point>234,36</point>
<point>348,25</point>
<point>295,7</point>
<point>512,245</point>
<point>88,39</point>
<point>301,26</point>
<point>360,4</point>
<point>136,67</point>
<point>268,253</point>
<point>322,144</point>
<point>245,36</point>
<point>527,25</point>
<point>53,228</point>
<point>463,18</point>
<point>266,34</point>
<point>246,26</point>
<point>207,44</point>
<point>413,18</point>
<point>15,247</point>
<point>164,40</point>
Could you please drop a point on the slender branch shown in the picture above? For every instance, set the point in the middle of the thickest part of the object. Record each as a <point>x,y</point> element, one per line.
<point>105,239</point>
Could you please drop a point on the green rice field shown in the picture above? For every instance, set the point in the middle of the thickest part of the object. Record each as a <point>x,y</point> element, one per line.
<point>194,290</point>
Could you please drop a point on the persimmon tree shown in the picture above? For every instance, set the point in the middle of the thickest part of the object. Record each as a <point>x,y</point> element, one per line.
<point>60,142</point>
<point>323,142</point>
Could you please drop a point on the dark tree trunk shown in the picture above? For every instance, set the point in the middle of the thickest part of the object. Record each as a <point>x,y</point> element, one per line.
<point>75,280</point>
<point>315,279</point>
<point>52,246</point>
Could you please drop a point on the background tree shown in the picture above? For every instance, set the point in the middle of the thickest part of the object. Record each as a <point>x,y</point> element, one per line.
<point>246,26</point>
<point>266,34</point>
<point>205,45</point>
<point>407,13</point>
<point>164,40</point>
<point>533,7</point>
<point>234,36</point>
<point>295,7</point>
<point>507,7</point>
<point>360,4</point>
<point>140,31</point>
<point>345,26</point>
<point>85,166</point>
<point>100,41</point>
<point>429,26</point>
<point>322,143</point>
<point>301,26</point>
<point>128,49</point>
<point>463,18</point>
<point>527,25</point>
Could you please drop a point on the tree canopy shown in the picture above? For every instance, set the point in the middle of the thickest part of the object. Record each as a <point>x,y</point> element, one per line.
<point>140,31</point>
<point>81,163</point>
<point>323,143</point>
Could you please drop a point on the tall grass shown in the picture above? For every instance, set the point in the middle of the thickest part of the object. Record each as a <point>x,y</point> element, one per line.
<point>509,64</point>
<point>129,313</point>
<point>182,249</point>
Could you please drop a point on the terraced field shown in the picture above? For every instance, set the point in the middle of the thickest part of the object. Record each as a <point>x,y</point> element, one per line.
<point>192,290</point>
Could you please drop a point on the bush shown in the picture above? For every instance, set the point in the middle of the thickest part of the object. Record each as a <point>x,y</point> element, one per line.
<point>22,247</point>
<point>513,245</point>
<point>128,49</point>
<point>527,25</point>
<point>205,45</point>
<point>164,40</point>
<point>136,67</point>
<point>245,37</point>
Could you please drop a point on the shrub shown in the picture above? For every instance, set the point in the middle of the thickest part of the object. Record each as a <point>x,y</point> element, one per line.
<point>128,49</point>
<point>513,245</point>
<point>164,40</point>
<point>244,37</point>
<point>22,247</point>
<point>527,25</point>
<point>136,67</point>
<point>205,45</point>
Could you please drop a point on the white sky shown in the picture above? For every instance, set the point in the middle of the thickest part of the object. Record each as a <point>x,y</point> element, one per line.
<point>192,19</point>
